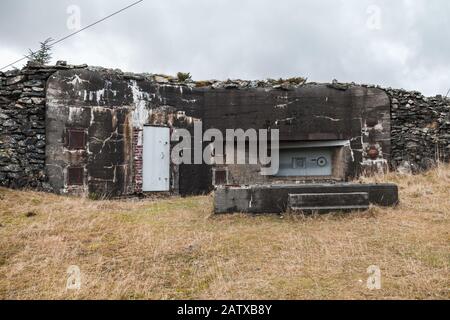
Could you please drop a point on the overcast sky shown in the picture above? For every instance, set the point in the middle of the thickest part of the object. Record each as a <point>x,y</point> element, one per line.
<point>401,43</point>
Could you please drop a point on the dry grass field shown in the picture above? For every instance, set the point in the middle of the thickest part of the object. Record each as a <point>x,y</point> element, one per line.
<point>175,248</point>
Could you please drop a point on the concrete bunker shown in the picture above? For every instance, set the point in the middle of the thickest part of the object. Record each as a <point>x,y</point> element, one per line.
<point>96,122</point>
<point>108,133</point>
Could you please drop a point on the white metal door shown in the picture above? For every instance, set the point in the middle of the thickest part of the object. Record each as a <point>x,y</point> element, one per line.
<point>156,159</point>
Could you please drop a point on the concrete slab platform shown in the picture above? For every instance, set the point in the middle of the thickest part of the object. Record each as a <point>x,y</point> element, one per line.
<point>275,198</point>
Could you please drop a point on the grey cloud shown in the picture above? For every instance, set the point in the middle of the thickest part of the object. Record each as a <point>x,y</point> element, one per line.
<point>321,40</point>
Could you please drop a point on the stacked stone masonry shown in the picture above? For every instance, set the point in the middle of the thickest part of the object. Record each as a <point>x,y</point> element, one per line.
<point>22,125</point>
<point>420,130</point>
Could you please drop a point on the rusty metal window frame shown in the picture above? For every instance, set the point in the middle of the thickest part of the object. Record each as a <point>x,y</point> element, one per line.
<point>76,139</point>
<point>75,179</point>
<point>214,172</point>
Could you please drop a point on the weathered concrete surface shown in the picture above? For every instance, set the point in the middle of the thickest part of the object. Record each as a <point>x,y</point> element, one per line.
<point>313,112</point>
<point>110,107</point>
<point>78,100</point>
<point>274,198</point>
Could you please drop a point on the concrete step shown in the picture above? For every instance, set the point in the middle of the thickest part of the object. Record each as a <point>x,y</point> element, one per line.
<point>326,202</point>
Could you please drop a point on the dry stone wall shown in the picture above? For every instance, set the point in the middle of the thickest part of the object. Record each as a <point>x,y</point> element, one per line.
<point>22,125</point>
<point>420,130</point>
